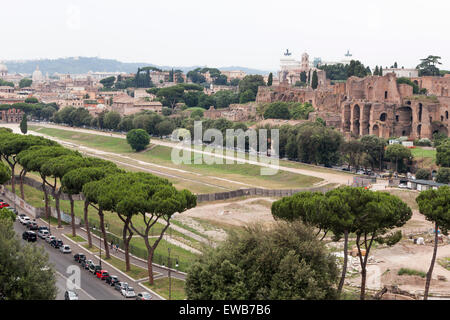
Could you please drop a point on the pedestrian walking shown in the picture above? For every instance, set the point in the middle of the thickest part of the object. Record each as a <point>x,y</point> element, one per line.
<point>112,244</point>
<point>117,247</point>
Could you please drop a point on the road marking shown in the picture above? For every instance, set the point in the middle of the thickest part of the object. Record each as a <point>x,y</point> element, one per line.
<point>82,290</point>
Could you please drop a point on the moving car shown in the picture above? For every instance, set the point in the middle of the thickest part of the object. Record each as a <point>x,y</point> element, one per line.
<point>128,292</point>
<point>143,296</point>
<point>112,280</point>
<point>102,274</point>
<point>65,248</point>
<point>78,257</point>
<point>29,236</point>
<point>43,233</point>
<point>70,295</point>
<point>121,285</point>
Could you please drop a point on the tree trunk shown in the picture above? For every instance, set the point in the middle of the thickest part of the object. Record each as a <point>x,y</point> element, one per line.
<point>58,209</point>
<point>86,223</point>
<point>47,212</point>
<point>13,179</point>
<point>433,260</point>
<point>22,175</point>
<point>149,262</point>
<point>344,267</point>
<point>102,227</point>
<point>126,244</point>
<point>72,216</point>
<point>363,283</point>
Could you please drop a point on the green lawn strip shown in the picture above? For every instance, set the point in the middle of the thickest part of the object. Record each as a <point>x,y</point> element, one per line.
<point>245,173</point>
<point>411,272</point>
<point>76,238</point>
<point>161,287</point>
<point>135,272</point>
<point>93,249</point>
<point>184,226</point>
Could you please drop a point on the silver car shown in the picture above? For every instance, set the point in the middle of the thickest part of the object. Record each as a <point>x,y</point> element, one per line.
<point>128,292</point>
<point>65,249</point>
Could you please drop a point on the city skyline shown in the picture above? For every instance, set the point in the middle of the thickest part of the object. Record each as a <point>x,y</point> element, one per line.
<point>251,34</point>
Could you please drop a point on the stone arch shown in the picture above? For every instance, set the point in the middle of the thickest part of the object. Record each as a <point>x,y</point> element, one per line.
<point>404,124</point>
<point>419,115</point>
<point>383,117</point>
<point>365,119</point>
<point>376,130</point>
<point>347,118</point>
<point>370,93</point>
<point>356,120</point>
<point>419,131</point>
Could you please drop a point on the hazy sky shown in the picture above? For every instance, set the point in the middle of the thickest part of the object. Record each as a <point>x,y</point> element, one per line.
<point>227,33</point>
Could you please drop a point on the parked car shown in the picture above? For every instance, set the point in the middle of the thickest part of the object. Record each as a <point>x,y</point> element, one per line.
<point>65,248</point>
<point>121,285</point>
<point>94,268</point>
<point>50,239</point>
<point>128,292</point>
<point>32,226</point>
<point>43,233</point>
<point>86,263</point>
<point>143,296</point>
<point>403,186</point>
<point>78,257</point>
<point>43,228</point>
<point>29,236</point>
<point>102,274</point>
<point>56,243</point>
<point>23,219</point>
<point>70,295</point>
<point>13,210</point>
<point>3,205</point>
<point>112,280</point>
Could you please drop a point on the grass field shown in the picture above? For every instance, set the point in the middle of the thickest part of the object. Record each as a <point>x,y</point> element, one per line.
<point>161,287</point>
<point>135,272</point>
<point>224,176</point>
<point>428,155</point>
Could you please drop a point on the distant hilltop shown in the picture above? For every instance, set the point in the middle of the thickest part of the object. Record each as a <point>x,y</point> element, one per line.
<point>80,65</point>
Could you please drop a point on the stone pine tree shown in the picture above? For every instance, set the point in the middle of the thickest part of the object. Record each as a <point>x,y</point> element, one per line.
<point>270,79</point>
<point>314,80</point>
<point>24,125</point>
<point>435,206</point>
<point>380,212</point>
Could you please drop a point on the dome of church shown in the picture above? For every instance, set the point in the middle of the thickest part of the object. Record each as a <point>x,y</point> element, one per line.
<point>37,75</point>
<point>3,68</point>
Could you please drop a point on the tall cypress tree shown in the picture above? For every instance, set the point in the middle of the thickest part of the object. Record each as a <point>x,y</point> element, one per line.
<point>376,72</point>
<point>23,124</point>
<point>269,81</point>
<point>315,80</point>
<point>381,71</point>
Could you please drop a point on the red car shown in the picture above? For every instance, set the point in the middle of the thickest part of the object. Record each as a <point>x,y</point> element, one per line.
<point>3,205</point>
<point>102,274</point>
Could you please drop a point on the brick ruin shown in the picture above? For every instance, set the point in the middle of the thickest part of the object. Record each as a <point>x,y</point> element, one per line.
<point>374,105</point>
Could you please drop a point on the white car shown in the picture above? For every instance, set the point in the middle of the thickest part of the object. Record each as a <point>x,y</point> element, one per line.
<point>50,238</point>
<point>65,249</point>
<point>24,219</point>
<point>43,234</point>
<point>128,292</point>
<point>403,186</point>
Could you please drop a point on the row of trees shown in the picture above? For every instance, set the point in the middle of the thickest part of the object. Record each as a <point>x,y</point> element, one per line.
<point>344,211</point>
<point>287,110</point>
<point>340,71</point>
<point>106,188</point>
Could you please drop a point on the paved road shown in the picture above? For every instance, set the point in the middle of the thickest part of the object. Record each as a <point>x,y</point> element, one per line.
<point>91,288</point>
